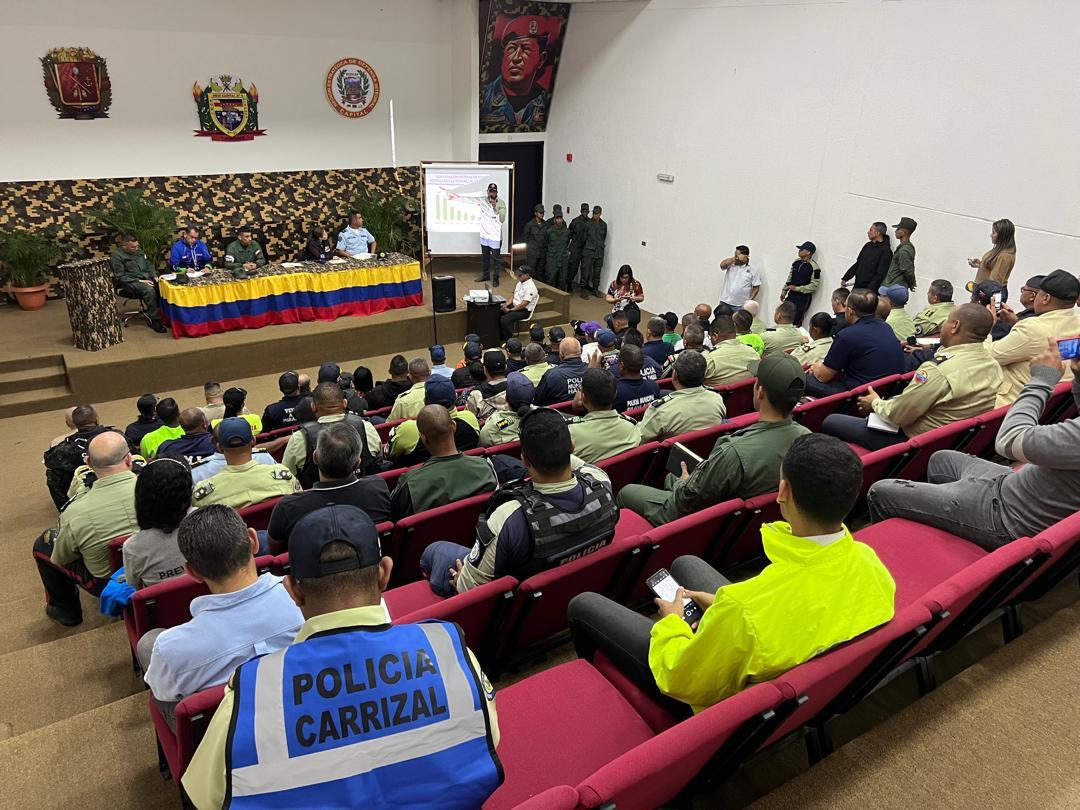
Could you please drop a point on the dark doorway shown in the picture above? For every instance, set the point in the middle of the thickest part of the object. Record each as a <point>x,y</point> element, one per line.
<point>528,160</point>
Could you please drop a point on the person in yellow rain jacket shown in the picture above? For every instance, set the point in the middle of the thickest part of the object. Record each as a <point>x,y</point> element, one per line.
<point>821,588</point>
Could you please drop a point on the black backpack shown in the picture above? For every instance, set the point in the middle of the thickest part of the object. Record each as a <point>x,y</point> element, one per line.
<point>62,460</point>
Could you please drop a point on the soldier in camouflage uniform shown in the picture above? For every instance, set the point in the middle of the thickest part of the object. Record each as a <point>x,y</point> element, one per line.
<point>535,235</point>
<point>578,227</point>
<point>592,256</point>
<point>136,278</point>
<point>556,251</point>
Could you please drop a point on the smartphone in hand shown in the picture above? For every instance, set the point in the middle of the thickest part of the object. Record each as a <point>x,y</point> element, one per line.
<point>1069,348</point>
<point>664,585</point>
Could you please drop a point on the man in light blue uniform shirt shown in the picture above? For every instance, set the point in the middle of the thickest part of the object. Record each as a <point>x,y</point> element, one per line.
<point>212,465</point>
<point>355,238</point>
<point>243,616</point>
<point>189,252</point>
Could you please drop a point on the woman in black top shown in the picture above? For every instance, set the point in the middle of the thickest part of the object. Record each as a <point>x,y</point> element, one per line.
<point>873,261</point>
<point>318,246</point>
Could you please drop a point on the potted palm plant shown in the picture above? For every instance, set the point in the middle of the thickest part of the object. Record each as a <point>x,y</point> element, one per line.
<point>26,256</point>
<point>132,211</point>
<point>389,215</point>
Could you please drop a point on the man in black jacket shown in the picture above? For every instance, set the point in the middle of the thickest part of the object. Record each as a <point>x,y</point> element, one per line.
<point>384,394</point>
<point>560,383</point>
<point>280,414</point>
<point>873,261</point>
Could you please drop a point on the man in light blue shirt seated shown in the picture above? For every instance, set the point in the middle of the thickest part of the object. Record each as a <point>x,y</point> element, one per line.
<point>355,238</point>
<point>189,252</point>
<point>244,615</point>
<point>438,362</point>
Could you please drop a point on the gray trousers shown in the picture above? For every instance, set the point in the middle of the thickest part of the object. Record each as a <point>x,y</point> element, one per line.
<point>144,649</point>
<point>962,498</point>
<point>623,635</point>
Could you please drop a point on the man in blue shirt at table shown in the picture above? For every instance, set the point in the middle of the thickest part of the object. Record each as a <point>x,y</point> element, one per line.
<point>355,238</point>
<point>189,252</point>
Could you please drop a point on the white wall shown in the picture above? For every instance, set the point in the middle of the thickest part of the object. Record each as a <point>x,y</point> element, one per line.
<point>420,50</point>
<point>785,120</point>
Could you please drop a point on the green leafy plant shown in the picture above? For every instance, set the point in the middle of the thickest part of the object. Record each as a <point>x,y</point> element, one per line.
<point>390,216</point>
<point>132,212</point>
<point>26,256</point>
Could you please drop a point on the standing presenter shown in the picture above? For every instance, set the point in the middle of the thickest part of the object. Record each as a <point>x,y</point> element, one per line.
<point>492,217</point>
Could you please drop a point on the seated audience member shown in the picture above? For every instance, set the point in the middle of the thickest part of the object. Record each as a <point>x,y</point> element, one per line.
<point>243,481</point>
<point>744,322</point>
<point>136,278</point>
<point>244,255</point>
<point>337,455</point>
<point>728,360</point>
<point>987,293</point>
<point>477,376</point>
<point>329,372</point>
<point>64,458</point>
<point>884,307</point>
<point>1055,310</point>
<point>1007,318</point>
<point>169,414</point>
<point>603,347</point>
<point>693,338</point>
<point>688,320</point>
<point>703,312</point>
<point>560,383</point>
<point>490,395</point>
<point>408,405</point>
<point>820,589</point>
<point>757,326</point>
<point>742,464</point>
<point>865,352</point>
<point>162,498</point>
<point>354,402</point>
<point>214,408</point>
<point>536,335</point>
<point>992,504</point>
<point>363,381</point>
<point>461,376</point>
<point>619,323</point>
<point>337,573</point>
<point>354,239</point>
<point>671,325</point>
<point>406,449</point>
<point>384,394</point>
<point>197,441</point>
<point>329,404</point>
<point>210,466</point>
<point>839,308</point>
<point>632,391</point>
<point>438,361</point>
<point>76,553</point>
<point>536,364</point>
<point>318,247</point>
<point>821,340</point>
<point>305,385</point>
<point>503,426</point>
<point>785,335</point>
<point>960,382</point>
<point>689,407</point>
<point>898,319</point>
<point>69,424</point>
<point>556,335</point>
<point>940,303</point>
<point>280,414</point>
<point>235,401</point>
<point>514,360</point>
<point>655,346</point>
<point>574,507</point>
<point>244,616</point>
<point>189,252</point>
<point>650,369</point>
<point>447,476</point>
<point>521,305</point>
<point>602,432</point>
<point>145,422</point>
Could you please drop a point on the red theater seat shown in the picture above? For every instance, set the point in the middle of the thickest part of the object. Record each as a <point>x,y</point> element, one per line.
<point>743,542</point>
<point>628,467</point>
<point>193,715</point>
<point>116,552</point>
<point>476,611</point>
<point>947,437</point>
<point>738,397</point>
<point>257,516</point>
<point>453,521</point>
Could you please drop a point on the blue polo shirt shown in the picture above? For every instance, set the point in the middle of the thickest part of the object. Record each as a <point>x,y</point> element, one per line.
<point>355,240</point>
<point>866,351</point>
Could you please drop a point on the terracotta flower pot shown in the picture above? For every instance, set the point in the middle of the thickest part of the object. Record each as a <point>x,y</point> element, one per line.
<point>30,298</point>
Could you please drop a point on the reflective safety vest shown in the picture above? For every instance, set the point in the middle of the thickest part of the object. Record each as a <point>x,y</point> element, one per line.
<point>392,716</point>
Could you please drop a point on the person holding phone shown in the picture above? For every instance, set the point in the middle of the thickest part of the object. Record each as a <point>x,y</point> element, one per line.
<point>997,263</point>
<point>821,588</point>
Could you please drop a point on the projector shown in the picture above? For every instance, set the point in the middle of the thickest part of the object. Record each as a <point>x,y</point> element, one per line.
<point>480,296</point>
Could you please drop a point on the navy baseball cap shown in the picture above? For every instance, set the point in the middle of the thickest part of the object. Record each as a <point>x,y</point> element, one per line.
<point>807,246</point>
<point>234,432</point>
<point>438,353</point>
<point>519,389</point>
<point>473,351</point>
<point>897,294</point>
<point>984,291</point>
<point>337,522</point>
<point>605,337</point>
<point>439,391</point>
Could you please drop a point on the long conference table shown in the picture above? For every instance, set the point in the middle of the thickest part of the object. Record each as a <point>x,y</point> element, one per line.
<point>289,292</point>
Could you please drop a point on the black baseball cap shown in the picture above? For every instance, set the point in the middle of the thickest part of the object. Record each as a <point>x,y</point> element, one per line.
<point>492,187</point>
<point>807,246</point>
<point>289,381</point>
<point>329,372</point>
<point>494,362</point>
<point>473,351</point>
<point>315,531</point>
<point>1061,284</point>
<point>234,397</point>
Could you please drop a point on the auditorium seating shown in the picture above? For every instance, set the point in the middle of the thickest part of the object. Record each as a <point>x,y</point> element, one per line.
<point>947,437</point>
<point>628,467</point>
<point>257,516</point>
<point>738,397</point>
<point>743,541</point>
<point>454,521</point>
<point>116,552</point>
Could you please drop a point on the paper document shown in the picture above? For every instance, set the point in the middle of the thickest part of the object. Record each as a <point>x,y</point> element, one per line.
<point>875,422</point>
<point>336,260</point>
<point>291,265</point>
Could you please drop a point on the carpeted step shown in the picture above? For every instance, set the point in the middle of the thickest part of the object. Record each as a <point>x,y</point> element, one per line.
<point>25,623</point>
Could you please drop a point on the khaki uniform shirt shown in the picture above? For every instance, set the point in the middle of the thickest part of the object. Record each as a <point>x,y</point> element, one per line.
<point>500,428</point>
<point>959,383</point>
<point>602,434</point>
<point>902,324</point>
<point>536,371</point>
<point>1026,340</point>
<point>783,337</point>
<point>812,352</point>
<point>727,362</point>
<point>296,450</point>
<point>680,412</point>
<point>929,321</point>
<point>95,517</point>
<point>409,404</point>
<point>245,484</point>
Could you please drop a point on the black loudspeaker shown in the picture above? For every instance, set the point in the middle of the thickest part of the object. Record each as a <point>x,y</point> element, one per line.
<point>444,293</point>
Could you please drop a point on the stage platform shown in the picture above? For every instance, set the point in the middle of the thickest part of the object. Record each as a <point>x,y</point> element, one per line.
<point>40,369</point>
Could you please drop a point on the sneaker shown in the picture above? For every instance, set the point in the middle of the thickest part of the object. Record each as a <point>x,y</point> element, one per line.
<point>159,327</point>
<point>54,613</point>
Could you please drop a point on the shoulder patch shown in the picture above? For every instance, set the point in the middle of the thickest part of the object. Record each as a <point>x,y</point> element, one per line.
<point>202,491</point>
<point>629,419</point>
<point>656,403</point>
<point>502,423</point>
<point>920,377</point>
<point>281,474</point>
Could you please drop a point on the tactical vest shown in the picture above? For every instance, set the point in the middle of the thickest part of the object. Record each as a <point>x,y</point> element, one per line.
<point>556,536</point>
<point>63,459</point>
<point>309,473</point>
<point>359,717</point>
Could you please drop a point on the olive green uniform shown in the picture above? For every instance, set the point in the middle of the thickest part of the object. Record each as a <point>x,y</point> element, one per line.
<point>959,383</point>
<point>680,412</point>
<point>245,484</point>
<point>783,337</point>
<point>237,255</point>
<point>812,352</point>
<point>441,480</point>
<point>901,324</point>
<point>901,267</point>
<point>578,227</point>
<point>535,235</point>
<point>557,256</point>
<point>592,256</point>
<point>742,464</point>
<point>602,434</point>
<point>129,270</point>
<point>929,321</point>
<point>727,362</point>
<point>500,428</point>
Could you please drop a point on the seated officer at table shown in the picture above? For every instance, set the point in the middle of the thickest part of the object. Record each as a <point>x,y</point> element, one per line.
<point>135,278</point>
<point>244,253</point>
<point>355,238</point>
<point>189,252</point>
<point>342,747</point>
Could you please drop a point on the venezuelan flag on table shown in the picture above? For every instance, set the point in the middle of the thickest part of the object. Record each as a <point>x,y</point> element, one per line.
<point>194,310</point>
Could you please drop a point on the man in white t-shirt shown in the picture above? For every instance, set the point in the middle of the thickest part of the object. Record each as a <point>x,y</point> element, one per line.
<point>492,217</point>
<point>742,280</point>
<point>523,303</point>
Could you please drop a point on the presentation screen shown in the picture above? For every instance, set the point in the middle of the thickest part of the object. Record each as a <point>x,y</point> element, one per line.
<point>452,196</point>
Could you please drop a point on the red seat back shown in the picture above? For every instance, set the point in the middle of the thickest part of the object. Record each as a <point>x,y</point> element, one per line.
<point>947,437</point>
<point>636,413</point>
<point>453,521</point>
<point>982,442</point>
<point>738,397</point>
<point>279,565</point>
<point>116,552</point>
<point>1061,544</point>
<point>700,441</point>
<point>193,715</point>
<point>257,516</point>
<point>744,542</point>
<point>881,463</point>
<point>1059,399</point>
<point>507,449</point>
<point>384,429</point>
<point>475,611</point>
<point>270,435</point>
<point>811,414</point>
<point>628,467</point>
